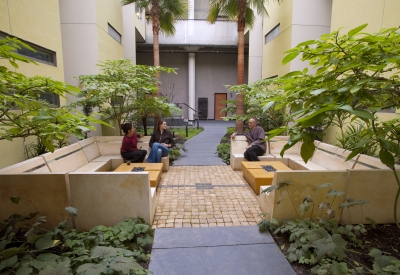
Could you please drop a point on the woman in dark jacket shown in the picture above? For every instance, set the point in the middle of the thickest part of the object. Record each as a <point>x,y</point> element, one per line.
<point>160,143</point>
<point>129,150</point>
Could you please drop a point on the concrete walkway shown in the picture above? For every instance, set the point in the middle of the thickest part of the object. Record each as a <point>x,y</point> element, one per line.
<point>202,148</point>
<point>206,217</point>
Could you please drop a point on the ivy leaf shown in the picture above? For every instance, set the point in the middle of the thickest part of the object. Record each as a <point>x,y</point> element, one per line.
<point>10,262</point>
<point>10,252</point>
<point>24,270</point>
<point>327,245</point>
<point>60,269</point>
<point>92,269</point>
<point>124,264</point>
<point>46,242</point>
<point>103,252</point>
<point>145,241</point>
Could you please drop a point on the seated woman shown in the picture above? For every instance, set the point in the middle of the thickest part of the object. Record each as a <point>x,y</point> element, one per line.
<point>160,142</point>
<point>129,150</point>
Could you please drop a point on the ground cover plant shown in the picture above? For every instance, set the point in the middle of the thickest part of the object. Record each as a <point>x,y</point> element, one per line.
<point>26,248</point>
<point>318,244</point>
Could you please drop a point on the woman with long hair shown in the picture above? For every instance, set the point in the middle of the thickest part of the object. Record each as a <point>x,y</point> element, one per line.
<point>129,150</point>
<point>160,143</point>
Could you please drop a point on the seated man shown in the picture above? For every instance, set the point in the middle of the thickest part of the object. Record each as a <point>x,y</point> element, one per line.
<point>255,137</point>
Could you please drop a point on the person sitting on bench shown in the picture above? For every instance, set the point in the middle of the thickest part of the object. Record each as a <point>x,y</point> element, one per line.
<point>160,143</point>
<point>129,150</point>
<point>255,137</point>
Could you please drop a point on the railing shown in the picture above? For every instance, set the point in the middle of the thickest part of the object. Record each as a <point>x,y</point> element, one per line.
<point>196,115</point>
<point>198,32</point>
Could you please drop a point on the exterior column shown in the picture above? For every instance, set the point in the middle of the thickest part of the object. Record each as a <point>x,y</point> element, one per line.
<point>192,77</point>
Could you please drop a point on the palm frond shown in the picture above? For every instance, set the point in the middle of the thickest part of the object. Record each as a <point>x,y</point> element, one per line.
<point>250,18</point>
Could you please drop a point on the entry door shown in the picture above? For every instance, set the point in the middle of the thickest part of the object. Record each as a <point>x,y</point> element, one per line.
<point>219,105</point>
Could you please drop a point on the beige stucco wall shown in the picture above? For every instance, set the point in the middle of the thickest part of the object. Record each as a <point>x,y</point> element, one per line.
<point>37,22</point>
<point>299,20</point>
<point>273,51</point>
<point>109,12</point>
<point>377,13</point>
<point>20,19</point>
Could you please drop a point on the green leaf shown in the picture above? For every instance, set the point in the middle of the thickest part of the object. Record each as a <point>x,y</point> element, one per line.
<point>291,74</point>
<point>386,158</point>
<point>290,57</point>
<point>103,252</point>
<point>10,262</point>
<point>61,268</point>
<point>92,269</point>
<point>269,189</point>
<point>319,91</point>
<point>145,241</point>
<point>15,131</point>
<point>46,242</point>
<point>335,193</point>
<point>324,185</point>
<point>357,30</point>
<point>316,113</point>
<point>307,150</point>
<point>24,270</point>
<point>41,118</point>
<point>9,252</point>
<point>124,264</point>
<point>71,210</point>
<point>15,199</point>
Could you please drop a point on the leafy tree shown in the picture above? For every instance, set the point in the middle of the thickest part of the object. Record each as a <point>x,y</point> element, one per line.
<point>357,76</point>
<point>164,14</point>
<point>242,12</point>
<point>254,95</point>
<point>24,114</point>
<point>123,90</point>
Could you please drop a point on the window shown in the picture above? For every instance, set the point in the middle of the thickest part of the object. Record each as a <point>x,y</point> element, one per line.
<point>40,54</point>
<point>53,99</point>
<point>272,34</point>
<point>114,34</point>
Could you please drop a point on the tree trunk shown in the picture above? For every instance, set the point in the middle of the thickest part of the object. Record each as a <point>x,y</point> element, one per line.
<point>240,65</point>
<point>144,122</point>
<point>155,14</point>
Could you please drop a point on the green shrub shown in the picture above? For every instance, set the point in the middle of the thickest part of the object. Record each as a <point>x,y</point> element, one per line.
<point>224,152</point>
<point>26,248</point>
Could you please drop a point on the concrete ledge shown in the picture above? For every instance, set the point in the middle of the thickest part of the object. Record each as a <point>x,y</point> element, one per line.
<point>106,198</point>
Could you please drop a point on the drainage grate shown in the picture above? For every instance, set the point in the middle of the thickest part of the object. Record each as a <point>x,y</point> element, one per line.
<point>268,168</point>
<point>204,186</point>
<point>137,169</point>
<point>201,185</point>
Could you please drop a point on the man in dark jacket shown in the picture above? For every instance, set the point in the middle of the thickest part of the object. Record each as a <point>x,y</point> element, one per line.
<point>255,137</point>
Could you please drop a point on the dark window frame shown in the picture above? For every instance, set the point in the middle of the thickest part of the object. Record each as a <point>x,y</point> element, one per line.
<point>37,48</point>
<point>114,34</point>
<point>268,39</point>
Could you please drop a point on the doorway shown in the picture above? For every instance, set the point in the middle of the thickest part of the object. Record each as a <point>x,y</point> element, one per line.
<point>219,104</point>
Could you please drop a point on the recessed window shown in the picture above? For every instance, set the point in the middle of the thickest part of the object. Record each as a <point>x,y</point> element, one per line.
<point>52,99</point>
<point>114,34</point>
<point>272,34</point>
<point>39,54</point>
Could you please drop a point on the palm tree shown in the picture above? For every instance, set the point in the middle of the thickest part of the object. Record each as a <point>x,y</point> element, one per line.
<point>164,14</point>
<point>240,11</point>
